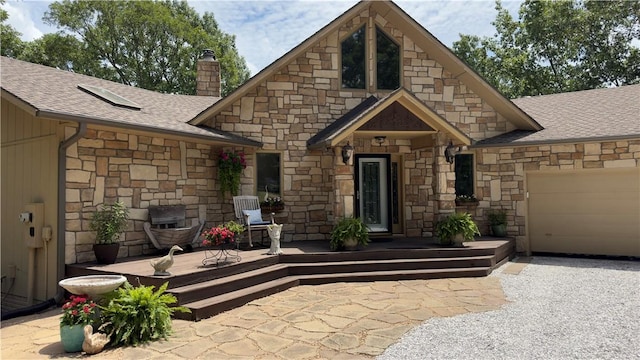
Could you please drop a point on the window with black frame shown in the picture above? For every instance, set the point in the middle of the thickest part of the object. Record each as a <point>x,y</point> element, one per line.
<point>268,174</point>
<point>387,62</point>
<point>464,175</point>
<point>353,60</point>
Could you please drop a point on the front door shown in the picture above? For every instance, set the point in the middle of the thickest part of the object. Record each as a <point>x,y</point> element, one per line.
<point>372,191</point>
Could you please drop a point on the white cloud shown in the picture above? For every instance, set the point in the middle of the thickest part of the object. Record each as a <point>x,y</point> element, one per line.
<point>266,30</point>
<point>20,18</point>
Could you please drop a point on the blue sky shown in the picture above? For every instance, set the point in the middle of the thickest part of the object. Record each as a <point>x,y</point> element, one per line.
<point>266,30</point>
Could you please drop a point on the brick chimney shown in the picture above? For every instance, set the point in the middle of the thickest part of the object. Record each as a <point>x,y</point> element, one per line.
<point>208,75</point>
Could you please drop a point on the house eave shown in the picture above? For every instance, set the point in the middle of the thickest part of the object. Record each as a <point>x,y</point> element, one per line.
<point>581,140</point>
<point>30,109</point>
<point>54,115</point>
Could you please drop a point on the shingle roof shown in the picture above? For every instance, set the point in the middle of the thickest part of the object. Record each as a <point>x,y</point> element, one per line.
<point>344,121</point>
<point>610,113</point>
<point>53,92</point>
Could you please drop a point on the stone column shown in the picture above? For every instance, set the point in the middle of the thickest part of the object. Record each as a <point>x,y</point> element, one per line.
<point>344,186</point>
<point>444,179</point>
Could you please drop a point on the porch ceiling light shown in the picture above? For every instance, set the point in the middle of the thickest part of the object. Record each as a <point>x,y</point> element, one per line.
<point>380,139</point>
<point>347,152</point>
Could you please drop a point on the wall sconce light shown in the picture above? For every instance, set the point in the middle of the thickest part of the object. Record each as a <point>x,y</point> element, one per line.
<point>450,152</point>
<point>380,139</point>
<point>347,151</point>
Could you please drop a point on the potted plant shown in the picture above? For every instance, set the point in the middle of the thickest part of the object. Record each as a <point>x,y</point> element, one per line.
<point>222,234</point>
<point>466,200</point>
<point>348,233</point>
<point>272,204</point>
<point>498,222</point>
<point>456,228</point>
<point>76,313</point>
<point>137,315</point>
<point>109,221</point>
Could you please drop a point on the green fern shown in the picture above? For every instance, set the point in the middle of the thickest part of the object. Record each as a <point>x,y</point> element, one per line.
<point>135,315</point>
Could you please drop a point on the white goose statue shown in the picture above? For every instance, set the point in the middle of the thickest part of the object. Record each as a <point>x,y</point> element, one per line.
<point>163,264</point>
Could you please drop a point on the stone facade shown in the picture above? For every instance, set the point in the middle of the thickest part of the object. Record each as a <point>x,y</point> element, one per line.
<point>283,112</point>
<point>501,174</point>
<point>107,166</point>
<point>305,96</point>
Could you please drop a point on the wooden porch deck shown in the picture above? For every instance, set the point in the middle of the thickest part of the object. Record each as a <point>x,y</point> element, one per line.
<point>211,289</point>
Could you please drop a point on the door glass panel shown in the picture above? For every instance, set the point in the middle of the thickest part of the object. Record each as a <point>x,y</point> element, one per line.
<point>373,193</point>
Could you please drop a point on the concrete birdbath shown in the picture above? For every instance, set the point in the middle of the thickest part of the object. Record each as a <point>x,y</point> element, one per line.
<point>93,285</point>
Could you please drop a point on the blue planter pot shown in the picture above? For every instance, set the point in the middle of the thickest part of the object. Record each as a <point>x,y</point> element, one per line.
<point>72,337</point>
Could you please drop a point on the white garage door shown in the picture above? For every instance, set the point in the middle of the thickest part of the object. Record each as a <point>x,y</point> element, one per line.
<point>595,212</point>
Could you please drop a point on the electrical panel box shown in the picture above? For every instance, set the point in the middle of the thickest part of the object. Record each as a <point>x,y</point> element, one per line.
<point>33,220</point>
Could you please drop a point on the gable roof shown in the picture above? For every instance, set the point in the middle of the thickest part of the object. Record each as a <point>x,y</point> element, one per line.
<point>370,107</point>
<point>420,36</point>
<point>600,114</point>
<point>51,93</point>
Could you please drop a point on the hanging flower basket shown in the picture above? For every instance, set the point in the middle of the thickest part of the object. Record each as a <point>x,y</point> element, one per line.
<point>230,166</point>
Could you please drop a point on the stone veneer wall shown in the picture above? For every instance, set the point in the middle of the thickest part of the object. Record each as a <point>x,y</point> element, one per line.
<point>501,174</point>
<point>304,97</point>
<point>106,166</point>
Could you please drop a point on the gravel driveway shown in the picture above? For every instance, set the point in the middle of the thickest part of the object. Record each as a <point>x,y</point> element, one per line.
<point>562,308</point>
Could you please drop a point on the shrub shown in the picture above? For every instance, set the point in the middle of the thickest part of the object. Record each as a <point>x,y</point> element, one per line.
<point>135,315</point>
<point>456,223</point>
<point>109,221</point>
<point>497,217</point>
<point>346,228</point>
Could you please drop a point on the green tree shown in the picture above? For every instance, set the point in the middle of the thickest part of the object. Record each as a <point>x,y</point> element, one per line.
<point>557,46</point>
<point>10,43</point>
<point>149,44</point>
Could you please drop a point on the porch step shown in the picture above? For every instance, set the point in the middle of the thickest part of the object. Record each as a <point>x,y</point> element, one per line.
<point>214,305</point>
<point>386,254</point>
<point>218,286</point>
<point>391,264</point>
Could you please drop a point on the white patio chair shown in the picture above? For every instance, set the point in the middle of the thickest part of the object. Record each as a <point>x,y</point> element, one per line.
<point>248,213</point>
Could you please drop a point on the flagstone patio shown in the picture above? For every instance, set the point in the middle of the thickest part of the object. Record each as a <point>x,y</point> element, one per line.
<point>332,321</point>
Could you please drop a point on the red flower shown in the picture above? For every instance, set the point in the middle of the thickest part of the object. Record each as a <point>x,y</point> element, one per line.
<point>79,310</point>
